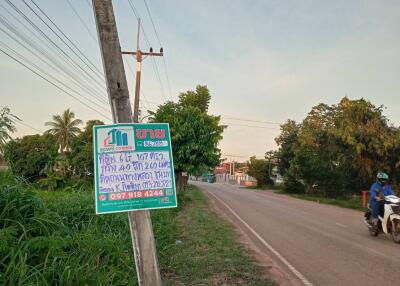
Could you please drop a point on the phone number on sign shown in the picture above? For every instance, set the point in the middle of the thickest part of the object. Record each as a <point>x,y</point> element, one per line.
<point>136,195</point>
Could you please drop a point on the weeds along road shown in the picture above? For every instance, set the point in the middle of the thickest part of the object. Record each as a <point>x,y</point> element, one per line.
<point>316,244</point>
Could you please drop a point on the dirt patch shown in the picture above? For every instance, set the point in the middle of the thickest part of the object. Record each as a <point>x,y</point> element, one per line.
<point>271,268</point>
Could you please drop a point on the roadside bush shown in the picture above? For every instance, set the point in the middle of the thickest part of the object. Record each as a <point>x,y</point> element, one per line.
<point>260,170</point>
<point>28,156</point>
<point>292,185</point>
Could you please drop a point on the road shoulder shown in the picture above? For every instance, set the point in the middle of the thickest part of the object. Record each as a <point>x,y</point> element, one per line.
<point>254,247</point>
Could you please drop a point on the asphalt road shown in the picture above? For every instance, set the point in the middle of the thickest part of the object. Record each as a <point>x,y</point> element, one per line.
<point>316,244</point>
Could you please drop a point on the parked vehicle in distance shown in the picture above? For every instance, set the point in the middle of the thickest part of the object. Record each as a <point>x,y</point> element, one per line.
<point>211,178</point>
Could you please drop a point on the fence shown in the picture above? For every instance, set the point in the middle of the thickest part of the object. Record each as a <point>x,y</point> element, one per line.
<point>243,180</point>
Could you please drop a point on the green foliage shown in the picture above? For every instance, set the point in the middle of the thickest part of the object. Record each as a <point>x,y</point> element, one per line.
<point>25,235</point>
<point>259,169</point>
<point>199,98</point>
<point>29,156</point>
<point>194,133</point>
<point>287,142</point>
<point>81,152</point>
<point>64,127</point>
<point>17,205</point>
<point>61,242</point>
<point>292,183</point>
<point>55,238</point>
<point>7,126</point>
<point>36,158</point>
<point>348,202</point>
<point>52,181</point>
<point>338,149</point>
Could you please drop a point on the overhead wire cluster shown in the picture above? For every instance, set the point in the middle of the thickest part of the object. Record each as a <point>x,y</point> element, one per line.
<point>144,101</point>
<point>35,41</point>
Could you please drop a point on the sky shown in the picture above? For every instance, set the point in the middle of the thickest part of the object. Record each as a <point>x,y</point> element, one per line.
<point>264,61</point>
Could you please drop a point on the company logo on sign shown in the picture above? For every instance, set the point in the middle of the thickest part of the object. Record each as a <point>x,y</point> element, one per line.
<point>116,139</point>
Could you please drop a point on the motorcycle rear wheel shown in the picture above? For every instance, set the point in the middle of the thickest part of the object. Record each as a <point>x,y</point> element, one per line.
<point>373,231</point>
<point>396,230</point>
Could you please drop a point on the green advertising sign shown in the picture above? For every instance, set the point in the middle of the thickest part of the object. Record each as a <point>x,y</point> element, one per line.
<point>133,167</point>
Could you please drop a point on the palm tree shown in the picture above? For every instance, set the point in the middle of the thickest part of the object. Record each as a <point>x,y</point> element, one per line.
<point>7,121</point>
<point>64,127</point>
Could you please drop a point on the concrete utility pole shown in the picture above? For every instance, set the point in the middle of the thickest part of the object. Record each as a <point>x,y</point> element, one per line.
<point>139,221</point>
<point>139,55</point>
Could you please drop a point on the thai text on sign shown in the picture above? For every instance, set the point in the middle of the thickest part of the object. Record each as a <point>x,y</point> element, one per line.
<point>133,167</point>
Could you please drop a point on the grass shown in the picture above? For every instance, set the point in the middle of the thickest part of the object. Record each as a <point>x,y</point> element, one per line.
<point>55,238</point>
<point>266,187</point>
<point>351,202</point>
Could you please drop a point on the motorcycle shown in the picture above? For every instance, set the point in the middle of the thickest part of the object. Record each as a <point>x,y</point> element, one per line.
<point>389,223</point>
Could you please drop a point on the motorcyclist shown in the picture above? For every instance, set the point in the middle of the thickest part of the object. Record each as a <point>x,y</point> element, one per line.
<point>378,191</point>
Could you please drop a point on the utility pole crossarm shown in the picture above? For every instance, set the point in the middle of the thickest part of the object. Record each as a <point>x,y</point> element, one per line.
<point>140,56</point>
<point>143,54</point>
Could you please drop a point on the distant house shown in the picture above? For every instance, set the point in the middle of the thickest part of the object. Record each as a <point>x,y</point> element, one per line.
<point>222,169</point>
<point>244,169</point>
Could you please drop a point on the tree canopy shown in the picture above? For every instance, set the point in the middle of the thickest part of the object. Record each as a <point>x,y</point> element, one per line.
<point>259,169</point>
<point>195,134</point>
<point>338,149</point>
<point>36,157</point>
<point>29,156</point>
<point>64,127</point>
<point>81,151</point>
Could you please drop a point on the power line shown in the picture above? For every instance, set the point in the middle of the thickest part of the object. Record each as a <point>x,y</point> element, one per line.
<point>251,126</point>
<point>82,81</point>
<point>142,97</point>
<point>29,126</point>
<point>81,20</point>
<point>154,63</point>
<point>167,76</point>
<point>52,83</point>
<point>43,34</point>
<point>249,120</point>
<point>51,76</point>
<point>99,73</point>
<point>152,22</point>
<point>235,156</point>
<point>50,64</point>
<point>136,13</point>
<point>159,42</point>
<point>158,76</point>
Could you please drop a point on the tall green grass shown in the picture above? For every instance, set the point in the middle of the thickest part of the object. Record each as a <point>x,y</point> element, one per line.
<point>55,238</point>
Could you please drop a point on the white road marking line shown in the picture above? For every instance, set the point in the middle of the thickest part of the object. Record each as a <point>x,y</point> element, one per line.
<point>342,225</point>
<point>266,244</point>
